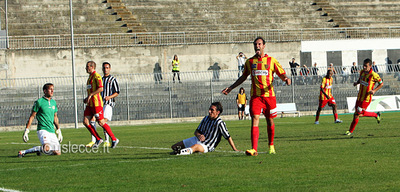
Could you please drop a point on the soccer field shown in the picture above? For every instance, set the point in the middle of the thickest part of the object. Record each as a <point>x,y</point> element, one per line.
<point>309,158</point>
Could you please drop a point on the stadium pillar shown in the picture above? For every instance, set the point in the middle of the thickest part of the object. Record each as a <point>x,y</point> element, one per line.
<point>73,65</point>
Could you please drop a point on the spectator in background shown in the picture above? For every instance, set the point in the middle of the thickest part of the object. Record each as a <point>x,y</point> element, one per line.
<point>345,75</point>
<point>374,67</point>
<point>175,68</point>
<point>157,73</point>
<point>304,73</point>
<point>331,67</point>
<point>396,70</point>
<point>293,66</point>
<point>354,72</point>
<point>241,59</point>
<point>314,72</point>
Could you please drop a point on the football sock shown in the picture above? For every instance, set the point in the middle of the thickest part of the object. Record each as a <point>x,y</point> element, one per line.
<point>93,132</point>
<point>336,116</point>
<point>107,128</point>
<point>317,118</point>
<point>33,150</point>
<point>186,151</point>
<point>271,133</point>
<point>370,114</point>
<point>93,123</point>
<point>106,136</point>
<point>254,137</point>
<point>353,125</point>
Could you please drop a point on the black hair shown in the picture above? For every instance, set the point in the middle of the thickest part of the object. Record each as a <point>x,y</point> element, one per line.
<point>47,85</point>
<point>218,105</point>
<point>106,63</point>
<point>258,39</point>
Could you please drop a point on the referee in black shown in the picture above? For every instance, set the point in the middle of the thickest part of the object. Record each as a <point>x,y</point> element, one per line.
<point>110,91</point>
<point>207,135</point>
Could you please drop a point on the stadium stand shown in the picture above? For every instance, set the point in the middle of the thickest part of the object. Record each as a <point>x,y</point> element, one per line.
<point>120,16</point>
<point>360,13</point>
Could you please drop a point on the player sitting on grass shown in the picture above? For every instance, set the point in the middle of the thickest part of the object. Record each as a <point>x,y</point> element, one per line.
<point>45,110</point>
<point>207,135</point>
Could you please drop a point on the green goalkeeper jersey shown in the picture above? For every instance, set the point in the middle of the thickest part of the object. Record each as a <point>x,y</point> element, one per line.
<point>45,110</point>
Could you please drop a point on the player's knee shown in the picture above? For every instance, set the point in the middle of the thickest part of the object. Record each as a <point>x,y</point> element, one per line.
<point>56,152</point>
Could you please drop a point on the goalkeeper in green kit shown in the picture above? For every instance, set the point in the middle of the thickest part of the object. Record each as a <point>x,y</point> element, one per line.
<point>45,111</point>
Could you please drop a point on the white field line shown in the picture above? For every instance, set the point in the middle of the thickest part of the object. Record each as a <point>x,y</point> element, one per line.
<point>8,190</point>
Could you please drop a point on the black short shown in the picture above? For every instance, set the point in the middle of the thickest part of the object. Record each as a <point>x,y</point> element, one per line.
<point>241,108</point>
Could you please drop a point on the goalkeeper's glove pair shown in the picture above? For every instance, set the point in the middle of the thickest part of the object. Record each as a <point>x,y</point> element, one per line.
<point>25,137</point>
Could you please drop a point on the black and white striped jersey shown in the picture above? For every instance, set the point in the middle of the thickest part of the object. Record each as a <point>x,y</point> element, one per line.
<point>110,86</point>
<point>212,131</point>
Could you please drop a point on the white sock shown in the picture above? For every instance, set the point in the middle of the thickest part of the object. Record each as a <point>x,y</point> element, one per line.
<point>93,123</point>
<point>106,136</point>
<point>186,151</point>
<point>33,150</point>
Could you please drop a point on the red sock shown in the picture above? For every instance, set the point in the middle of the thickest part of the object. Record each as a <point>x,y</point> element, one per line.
<point>271,133</point>
<point>370,114</point>
<point>93,132</point>
<point>317,118</point>
<point>336,117</point>
<point>353,125</point>
<point>109,132</point>
<point>254,137</point>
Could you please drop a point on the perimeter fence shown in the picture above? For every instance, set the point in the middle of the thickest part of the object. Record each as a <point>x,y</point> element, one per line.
<point>155,96</point>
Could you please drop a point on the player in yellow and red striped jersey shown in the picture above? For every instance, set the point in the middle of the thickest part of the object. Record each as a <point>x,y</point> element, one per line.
<point>326,97</point>
<point>367,81</point>
<point>94,105</point>
<point>261,67</point>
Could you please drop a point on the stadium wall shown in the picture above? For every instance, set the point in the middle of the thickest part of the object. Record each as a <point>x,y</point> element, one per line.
<point>128,60</point>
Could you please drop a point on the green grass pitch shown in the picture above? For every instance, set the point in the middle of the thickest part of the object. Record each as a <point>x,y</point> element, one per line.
<point>309,158</point>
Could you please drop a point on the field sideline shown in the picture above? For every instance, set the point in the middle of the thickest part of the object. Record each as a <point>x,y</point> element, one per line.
<point>309,158</point>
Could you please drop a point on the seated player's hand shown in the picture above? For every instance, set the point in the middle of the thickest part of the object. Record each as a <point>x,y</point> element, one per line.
<point>59,135</point>
<point>25,137</point>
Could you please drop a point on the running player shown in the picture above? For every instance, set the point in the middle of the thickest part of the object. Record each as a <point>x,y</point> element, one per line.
<point>45,110</point>
<point>110,91</point>
<point>325,97</point>
<point>94,105</point>
<point>367,81</point>
<point>261,67</point>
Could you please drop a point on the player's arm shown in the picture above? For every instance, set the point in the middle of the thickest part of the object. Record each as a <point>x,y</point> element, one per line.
<point>56,122</point>
<point>376,88</point>
<point>30,120</point>
<point>239,81</point>
<point>98,90</point>
<point>199,135</point>
<point>232,144</point>
<point>323,92</point>
<point>357,82</point>
<point>111,96</point>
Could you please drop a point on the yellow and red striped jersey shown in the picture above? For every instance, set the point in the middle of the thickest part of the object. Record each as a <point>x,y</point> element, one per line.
<point>262,74</point>
<point>93,83</point>
<point>367,83</point>
<point>326,85</point>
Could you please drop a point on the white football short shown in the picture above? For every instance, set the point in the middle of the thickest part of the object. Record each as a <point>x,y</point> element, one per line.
<point>49,138</point>
<point>108,112</point>
<point>194,140</point>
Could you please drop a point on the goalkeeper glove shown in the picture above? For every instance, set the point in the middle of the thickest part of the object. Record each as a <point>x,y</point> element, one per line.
<point>59,135</point>
<point>25,137</point>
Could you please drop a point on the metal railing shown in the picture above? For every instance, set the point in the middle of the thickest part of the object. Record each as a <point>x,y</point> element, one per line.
<point>185,76</point>
<point>206,37</point>
<point>147,96</point>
